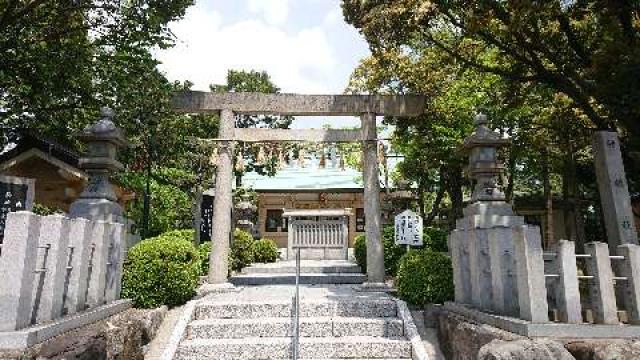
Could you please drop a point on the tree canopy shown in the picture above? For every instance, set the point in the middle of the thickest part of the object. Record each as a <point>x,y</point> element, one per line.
<point>585,49</point>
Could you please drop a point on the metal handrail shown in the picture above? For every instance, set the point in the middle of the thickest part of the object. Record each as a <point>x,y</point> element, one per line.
<point>296,332</point>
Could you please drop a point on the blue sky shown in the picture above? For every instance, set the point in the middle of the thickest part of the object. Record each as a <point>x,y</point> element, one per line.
<point>304,45</point>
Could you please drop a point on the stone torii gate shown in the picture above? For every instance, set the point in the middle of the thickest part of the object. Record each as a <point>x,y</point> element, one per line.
<point>230,104</point>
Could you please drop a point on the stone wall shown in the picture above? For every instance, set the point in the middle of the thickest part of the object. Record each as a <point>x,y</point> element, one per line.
<point>463,339</point>
<point>122,336</point>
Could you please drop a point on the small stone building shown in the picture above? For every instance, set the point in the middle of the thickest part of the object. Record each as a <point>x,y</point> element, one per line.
<point>58,180</point>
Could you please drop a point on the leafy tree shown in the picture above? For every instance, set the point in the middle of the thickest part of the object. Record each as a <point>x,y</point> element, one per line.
<point>548,135</point>
<point>255,81</point>
<point>62,61</point>
<point>585,49</point>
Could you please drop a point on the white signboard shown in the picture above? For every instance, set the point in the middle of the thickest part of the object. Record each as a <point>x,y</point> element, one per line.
<point>408,229</point>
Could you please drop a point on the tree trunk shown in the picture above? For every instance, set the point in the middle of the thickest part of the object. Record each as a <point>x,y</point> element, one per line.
<point>454,181</point>
<point>436,205</point>
<point>574,226</point>
<point>197,214</point>
<point>511,170</point>
<point>421,204</point>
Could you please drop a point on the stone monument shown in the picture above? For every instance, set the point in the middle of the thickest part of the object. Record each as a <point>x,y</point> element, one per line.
<point>614,191</point>
<point>98,201</point>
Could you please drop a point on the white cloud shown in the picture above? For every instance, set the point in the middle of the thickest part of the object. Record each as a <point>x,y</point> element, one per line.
<point>274,11</point>
<point>333,17</point>
<point>298,61</point>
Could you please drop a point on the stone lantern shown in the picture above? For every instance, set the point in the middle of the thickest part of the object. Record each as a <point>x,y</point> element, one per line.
<point>484,167</point>
<point>98,201</point>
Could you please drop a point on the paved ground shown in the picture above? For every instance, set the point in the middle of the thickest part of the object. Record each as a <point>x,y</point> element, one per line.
<point>157,345</point>
<point>429,336</point>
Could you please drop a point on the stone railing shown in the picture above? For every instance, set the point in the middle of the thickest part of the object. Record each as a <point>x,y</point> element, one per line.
<point>502,271</point>
<point>52,266</point>
<point>599,276</point>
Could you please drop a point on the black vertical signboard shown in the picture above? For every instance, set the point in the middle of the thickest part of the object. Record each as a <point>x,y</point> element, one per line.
<point>14,198</point>
<point>206,224</point>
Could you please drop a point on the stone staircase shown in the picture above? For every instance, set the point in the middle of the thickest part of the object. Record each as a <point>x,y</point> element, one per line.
<point>311,272</point>
<point>342,326</point>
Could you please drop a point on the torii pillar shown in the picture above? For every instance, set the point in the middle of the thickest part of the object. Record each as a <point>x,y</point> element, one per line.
<point>222,232</point>
<point>373,223</point>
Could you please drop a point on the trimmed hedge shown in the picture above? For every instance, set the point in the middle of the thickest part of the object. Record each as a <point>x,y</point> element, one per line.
<point>241,253</point>
<point>161,271</point>
<point>436,239</point>
<point>265,251</point>
<point>425,276</point>
<point>204,250</point>
<point>178,235</point>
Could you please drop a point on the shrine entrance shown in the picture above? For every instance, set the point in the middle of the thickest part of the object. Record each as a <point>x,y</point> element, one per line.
<point>367,107</point>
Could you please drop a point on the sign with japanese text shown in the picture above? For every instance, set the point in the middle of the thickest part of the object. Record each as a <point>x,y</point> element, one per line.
<point>408,229</point>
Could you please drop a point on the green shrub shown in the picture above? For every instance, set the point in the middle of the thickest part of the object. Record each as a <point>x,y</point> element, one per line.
<point>241,253</point>
<point>161,271</point>
<point>436,239</point>
<point>265,251</point>
<point>204,249</point>
<point>425,276</point>
<point>178,235</point>
<point>360,251</point>
<point>392,252</point>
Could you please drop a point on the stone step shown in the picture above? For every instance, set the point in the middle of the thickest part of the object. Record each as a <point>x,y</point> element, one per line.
<point>290,279</point>
<point>356,347</point>
<point>306,267</point>
<point>283,327</point>
<point>367,308</point>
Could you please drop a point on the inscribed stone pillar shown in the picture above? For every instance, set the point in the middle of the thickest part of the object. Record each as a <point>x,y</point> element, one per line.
<point>80,249</point>
<point>505,293</point>
<point>614,192</point>
<point>117,251</point>
<point>99,259</point>
<point>532,290</point>
<point>54,238</point>
<point>375,251</point>
<point>566,286</point>
<point>603,298</point>
<point>221,233</point>
<point>18,262</point>
<point>460,264</point>
<point>630,269</point>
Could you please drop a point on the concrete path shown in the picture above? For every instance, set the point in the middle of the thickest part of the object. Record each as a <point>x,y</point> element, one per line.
<point>156,347</point>
<point>429,336</point>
